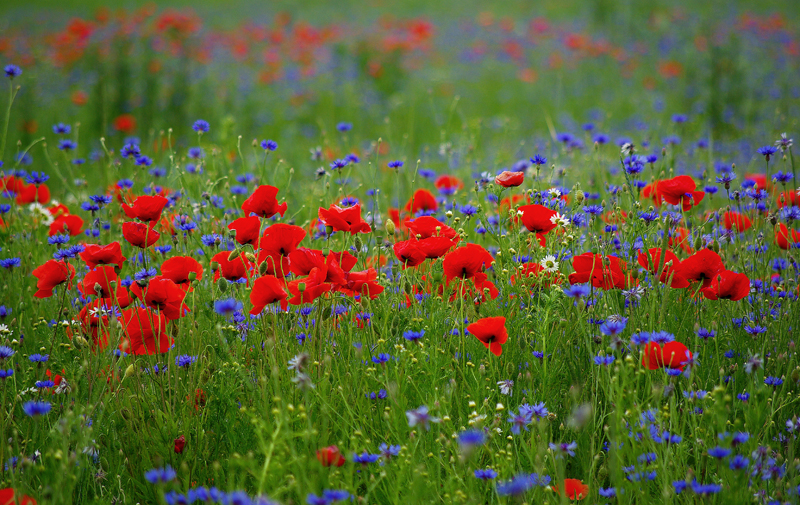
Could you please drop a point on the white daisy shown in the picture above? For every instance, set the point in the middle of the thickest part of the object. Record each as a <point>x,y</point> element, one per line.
<point>549,264</point>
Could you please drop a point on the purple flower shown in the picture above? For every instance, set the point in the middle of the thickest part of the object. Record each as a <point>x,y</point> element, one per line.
<point>420,416</point>
<point>201,126</point>
<point>564,449</point>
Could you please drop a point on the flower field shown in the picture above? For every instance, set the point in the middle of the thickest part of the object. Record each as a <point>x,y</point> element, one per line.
<point>393,256</point>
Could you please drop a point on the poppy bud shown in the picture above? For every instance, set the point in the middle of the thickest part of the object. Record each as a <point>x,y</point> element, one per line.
<point>328,230</point>
<point>130,371</point>
<point>192,276</point>
<point>233,255</point>
<point>390,227</point>
<point>232,233</point>
<point>250,257</point>
<point>301,287</point>
<point>214,266</point>
<point>222,284</point>
<point>180,443</point>
<point>98,288</point>
<point>263,268</point>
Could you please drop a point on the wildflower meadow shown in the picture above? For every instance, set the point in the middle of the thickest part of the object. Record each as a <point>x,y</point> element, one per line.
<point>399,253</point>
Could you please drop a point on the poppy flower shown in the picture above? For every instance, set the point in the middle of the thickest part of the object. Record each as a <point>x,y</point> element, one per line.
<point>607,272</point>
<point>180,444</point>
<point>668,262</point>
<point>51,274</point>
<point>782,237</point>
<point>361,283</point>
<point>427,226</point>
<point>267,290</point>
<point>727,285</point>
<point>230,269</point>
<point>702,266</point>
<point>436,247</point>
<point>111,254</point>
<point>308,289</point>
<point>9,497</point>
<point>97,282</point>
<point>31,193</point>
<point>275,246</point>
<point>347,219</point>
<point>69,223</point>
<point>651,191</point>
<point>179,268</point>
<point>303,260</point>
<point>448,184</point>
<point>491,331</point>
<point>738,221</point>
<point>574,489</point>
<point>95,323</point>
<point>330,456</point>
<point>538,219</point>
<point>162,294</point>
<point>422,199</point>
<point>409,253</point>
<point>680,190</point>
<point>145,208</point>
<point>760,180</point>
<point>125,123</point>
<point>671,355</point>
<point>144,332</point>
<point>139,234</point>
<point>510,179</point>
<point>247,229</point>
<point>264,203</point>
<point>466,261</point>
<point>788,198</point>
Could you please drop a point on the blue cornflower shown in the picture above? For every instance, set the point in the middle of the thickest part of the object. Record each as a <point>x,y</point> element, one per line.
<point>338,164</point>
<point>227,306</point>
<point>767,151</point>
<point>46,384</point>
<point>538,160</point>
<point>738,462</point>
<point>158,475</point>
<point>6,352</point>
<point>420,416</point>
<point>719,452</point>
<point>195,153</point>
<point>648,216</point>
<point>604,360</point>
<point>641,338</point>
<point>485,474</point>
<point>344,127</point>
<point>101,199</point>
<point>10,263</point>
<point>5,374</point>
<point>773,381</point>
<point>333,495</point>
<point>67,145</point>
<point>12,71</point>
<point>705,489</point>
<point>381,358</point>
<point>564,449</point>
<point>37,178</point>
<point>352,158</point>
<point>468,210</point>
<point>395,164</point>
<point>130,151</point>
<point>163,249</point>
<point>5,208</point>
<point>514,487</point>
<point>61,129</point>
<point>601,138</point>
<point>613,327</point>
<point>4,312</point>
<point>782,178</point>
<point>743,396</point>
<point>348,201</point>
<point>34,408</point>
<point>594,210</point>
<point>389,451</point>
<point>471,438</point>
<point>90,207</point>
<point>607,492</point>
<point>158,172</point>
<point>680,118</point>
<point>269,145</point>
<point>577,291</point>
<point>755,329</point>
<point>145,273</point>
<point>143,161</point>
<point>520,420</point>
<point>201,126</point>
<point>706,334</point>
<point>413,336</point>
<point>365,458</point>
<point>184,360</point>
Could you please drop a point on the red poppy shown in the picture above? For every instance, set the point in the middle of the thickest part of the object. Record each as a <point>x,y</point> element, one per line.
<point>574,489</point>
<point>308,289</point>
<point>139,234</point>
<point>491,331</point>
<point>267,290</point>
<point>275,246</point>
<point>11,184</point>
<point>538,219</point>
<point>651,191</point>
<point>179,269</point>
<point>448,183</point>
<point>537,271</point>
<point>788,198</point>
<point>728,285</point>
<point>264,203</point>
<point>671,355</point>
<point>422,199</point>
<point>361,283</point>
<point>9,497</point>
<point>145,208</point>
<point>164,295</point>
<point>735,220</point>
<point>51,274</point>
<point>347,219</point>
<point>303,260</point>
<point>782,237</point>
<point>436,247</point>
<point>680,190</point>
<point>668,262</point>
<point>110,254</point>
<point>409,253</point>
<point>95,323</point>
<point>30,193</point>
<point>180,444</point>
<point>247,229</point>
<point>125,123</point>
<point>466,261</point>
<point>330,456</point>
<point>428,226</point>
<point>144,332</point>
<point>702,266</point>
<point>760,180</point>
<point>68,223</point>
<point>607,272</point>
<point>231,269</point>
<point>98,281</point>
<point>510,179</point>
